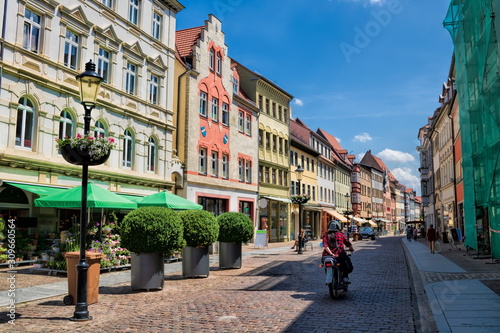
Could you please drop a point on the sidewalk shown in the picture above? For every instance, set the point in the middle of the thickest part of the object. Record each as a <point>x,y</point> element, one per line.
<point>459,302</point>
<point>60,288</point>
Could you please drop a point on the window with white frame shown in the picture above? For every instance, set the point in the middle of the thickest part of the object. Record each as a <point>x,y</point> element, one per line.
<point>248,171</point>
<point>25,123</point>
<point>32,31</point>
<point>65,125</point>
<point>219,63</point>
<point>225,114</point>
<point>225,166</point>
<point>153,89</point>
<point>156,29</point>
<point>202,161</point>
<point>71,47</point>
<point>215,109</point>
<point>151,163</point>
<point>241,168</point>
<point>128,149</point>
<point>241,121</point>
<point>248,125</point>
<point>133,11</point>
<point>108,3</point>
<point>203,103</point>
<point>103,61</point>
<point>130,73</point>
<point>215,164</point>
<point>100,130</point>
<point>235,83</point>
<point>212,59</point>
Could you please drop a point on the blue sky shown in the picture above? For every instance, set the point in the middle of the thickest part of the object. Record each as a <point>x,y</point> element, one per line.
<point>368,72</point>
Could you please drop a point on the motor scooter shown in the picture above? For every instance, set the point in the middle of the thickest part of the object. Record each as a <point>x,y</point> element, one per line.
<point>334,276</point>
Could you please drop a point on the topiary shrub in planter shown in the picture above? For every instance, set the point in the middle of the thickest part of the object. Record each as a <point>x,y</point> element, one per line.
<point>234,229</point>
<point>149,233</point>
<point>200,230</point>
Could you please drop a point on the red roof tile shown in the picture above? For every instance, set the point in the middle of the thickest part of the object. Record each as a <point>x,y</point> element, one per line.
<point>185,39</point>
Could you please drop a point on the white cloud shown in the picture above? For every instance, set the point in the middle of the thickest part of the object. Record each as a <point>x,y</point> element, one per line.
<point>395,156</point>
<point>298,102</point>
<point>360,156</point>
<point>363,137</point>
<point>405,177</point>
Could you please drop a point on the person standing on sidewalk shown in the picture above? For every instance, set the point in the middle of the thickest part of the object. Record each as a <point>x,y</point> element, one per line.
<point>431,237</point>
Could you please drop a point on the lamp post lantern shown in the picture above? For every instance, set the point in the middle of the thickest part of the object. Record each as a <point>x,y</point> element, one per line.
<point>299,171</point>
<point>89,82</point>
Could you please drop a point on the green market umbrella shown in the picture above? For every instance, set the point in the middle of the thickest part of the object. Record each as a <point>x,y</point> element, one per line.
<point>97,197</point>
<point>169,200</point>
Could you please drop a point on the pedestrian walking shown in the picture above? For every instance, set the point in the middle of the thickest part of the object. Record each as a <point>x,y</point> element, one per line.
<point>415,234</point>
<point>409,233</point>
<point>431,237</point>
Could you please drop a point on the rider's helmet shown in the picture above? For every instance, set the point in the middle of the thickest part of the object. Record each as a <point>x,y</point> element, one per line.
<point>334,226</point>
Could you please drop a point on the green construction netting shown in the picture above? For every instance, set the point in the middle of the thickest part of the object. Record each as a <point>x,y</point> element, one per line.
<point>473,27</point>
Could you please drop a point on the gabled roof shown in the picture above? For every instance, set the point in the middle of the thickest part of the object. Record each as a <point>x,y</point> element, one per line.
<point>331,139</point>
<point>185,39</point>
<point>338,150</point>
<point>375,162</point>
<point>300,131</point>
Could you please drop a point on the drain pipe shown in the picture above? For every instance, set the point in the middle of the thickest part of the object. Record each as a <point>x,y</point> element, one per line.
<point>178,117</point>
<point>2,44</point>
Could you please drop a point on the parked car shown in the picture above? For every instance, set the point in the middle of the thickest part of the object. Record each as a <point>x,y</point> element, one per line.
<point>367,232</point>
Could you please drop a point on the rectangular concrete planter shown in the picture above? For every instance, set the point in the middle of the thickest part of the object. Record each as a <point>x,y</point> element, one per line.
<point>147,271</point>
<point>195,261</point>
<point>230,255</point>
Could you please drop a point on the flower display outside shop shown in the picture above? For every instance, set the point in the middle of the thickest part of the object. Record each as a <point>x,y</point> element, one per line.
<point>300,199</point>
<point>113,254</point>
<point>97,147</point>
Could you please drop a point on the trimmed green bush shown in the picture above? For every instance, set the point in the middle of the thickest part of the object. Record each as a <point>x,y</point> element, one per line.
<point>200,227</point>
<point>151,230</point>
<point>235,227</point>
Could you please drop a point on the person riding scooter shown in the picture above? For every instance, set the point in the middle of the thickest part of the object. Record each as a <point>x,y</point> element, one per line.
<point>333,245</point>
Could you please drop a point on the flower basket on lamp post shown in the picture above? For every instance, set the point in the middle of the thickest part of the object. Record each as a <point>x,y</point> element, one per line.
<point>85,149</point>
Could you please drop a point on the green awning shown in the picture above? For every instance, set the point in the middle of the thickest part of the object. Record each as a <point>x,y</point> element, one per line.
<point>39,189</point>
<point>134,198</point>
<point>97,197</point>
<point>169,200</point>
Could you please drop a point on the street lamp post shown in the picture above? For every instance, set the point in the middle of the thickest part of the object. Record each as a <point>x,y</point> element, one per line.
<point>299,171</point>
<point>89,82</point>
<point>347,196</point>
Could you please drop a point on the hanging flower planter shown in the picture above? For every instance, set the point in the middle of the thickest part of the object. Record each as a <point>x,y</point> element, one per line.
<point>300,199</point>
<point>85,149</point>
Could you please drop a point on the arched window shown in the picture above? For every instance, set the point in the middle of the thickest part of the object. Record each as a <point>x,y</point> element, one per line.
<point>100,130</point>
<point>128,149</point>
<point>151,155</point>
<point>25,123</point>
<point>65,125</point>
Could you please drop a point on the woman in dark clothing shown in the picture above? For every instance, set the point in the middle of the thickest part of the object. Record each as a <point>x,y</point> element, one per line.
<point>431,237</point>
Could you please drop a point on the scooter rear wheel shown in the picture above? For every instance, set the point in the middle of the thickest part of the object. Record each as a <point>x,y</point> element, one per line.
<point>332,290</point>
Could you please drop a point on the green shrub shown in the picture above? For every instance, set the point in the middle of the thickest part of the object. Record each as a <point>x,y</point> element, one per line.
<point>200,227</point>
<point>151,230</point>
<point>235,227</point>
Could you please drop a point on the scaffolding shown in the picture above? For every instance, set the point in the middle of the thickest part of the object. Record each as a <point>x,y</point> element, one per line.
<point>473,27</point>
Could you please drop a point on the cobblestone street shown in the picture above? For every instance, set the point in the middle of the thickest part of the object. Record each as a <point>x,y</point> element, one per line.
<point>273,292</point>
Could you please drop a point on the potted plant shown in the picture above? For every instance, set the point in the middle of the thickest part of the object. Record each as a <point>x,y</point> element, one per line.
<point>234,229</point>
<point>89,149</point>
<point>149,233</point>
<point>200,231</point>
